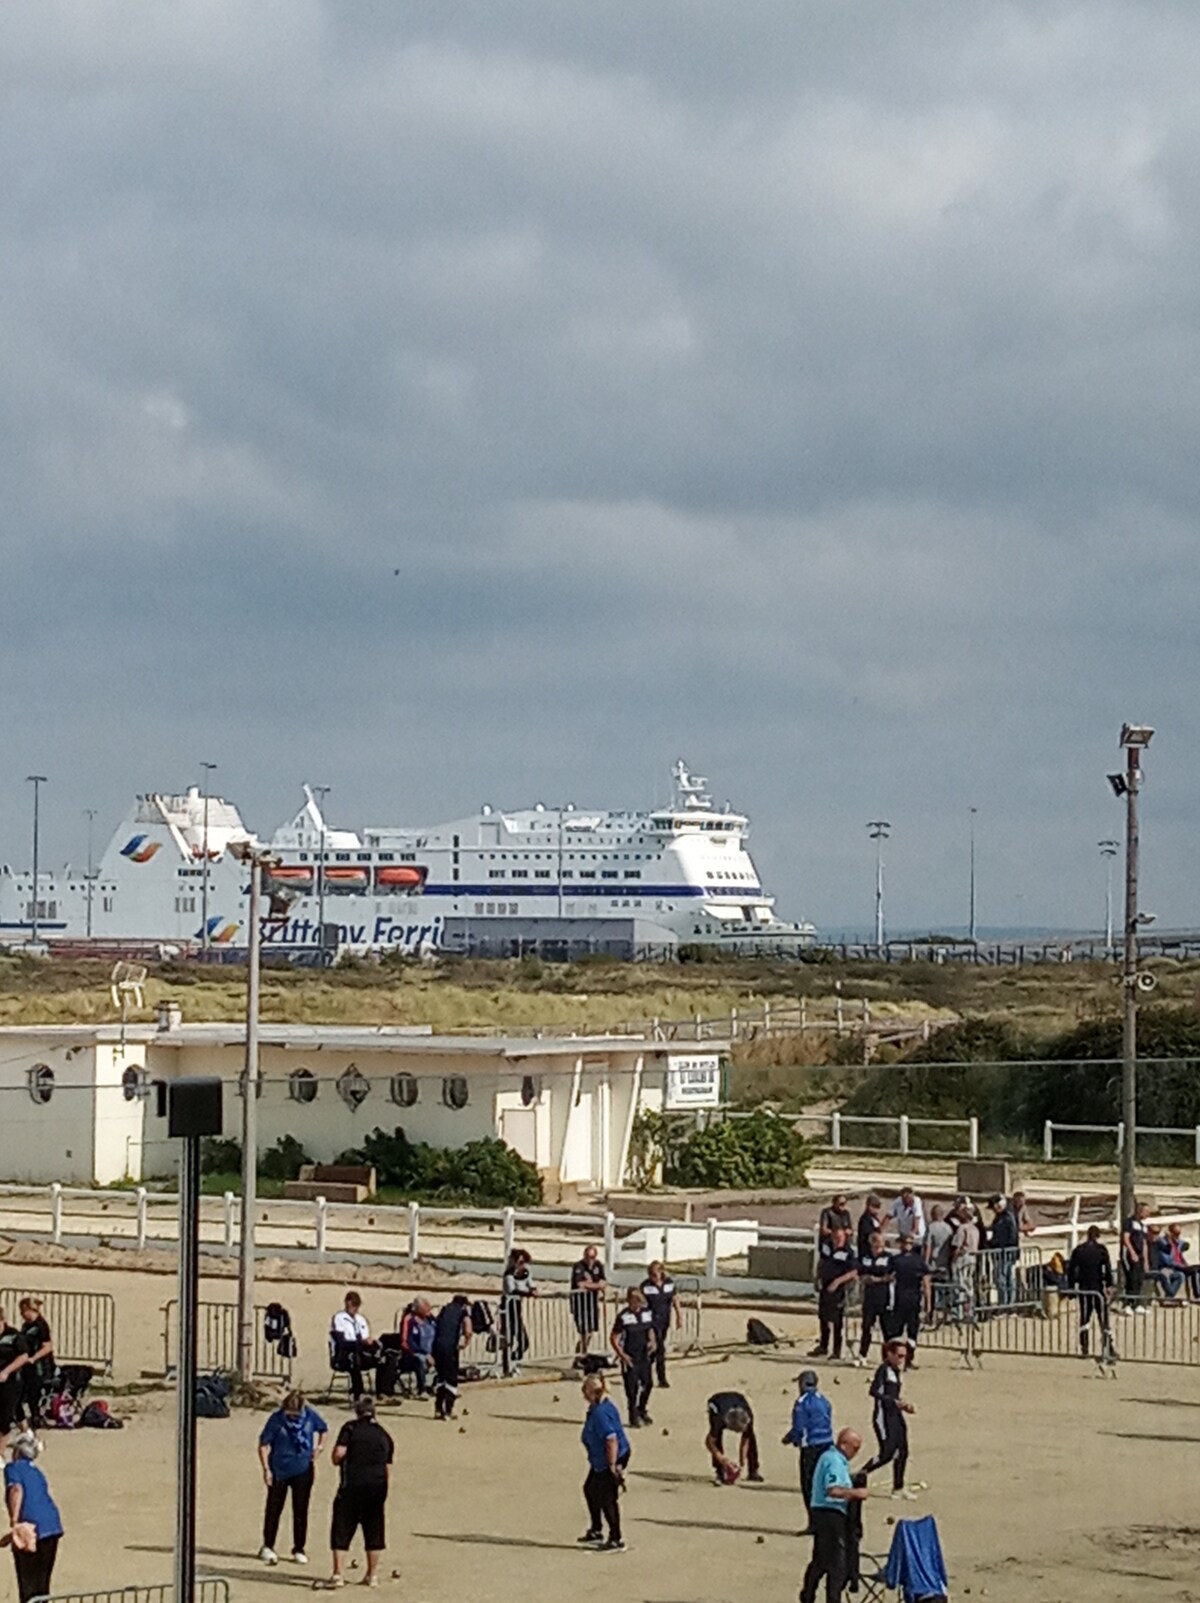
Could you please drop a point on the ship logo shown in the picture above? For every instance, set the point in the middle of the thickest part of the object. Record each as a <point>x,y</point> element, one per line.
<point>219,933</point>
<point>139,849</point>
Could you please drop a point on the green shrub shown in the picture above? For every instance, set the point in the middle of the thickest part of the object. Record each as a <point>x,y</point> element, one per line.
<point>738,1154</point>
<point>218,1156</point>
<point>482,1174</point>
<point>284,1160</point>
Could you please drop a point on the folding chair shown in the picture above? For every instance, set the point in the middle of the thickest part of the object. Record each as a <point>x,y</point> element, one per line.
<point>872,1579</point>
<point>915,1567</point>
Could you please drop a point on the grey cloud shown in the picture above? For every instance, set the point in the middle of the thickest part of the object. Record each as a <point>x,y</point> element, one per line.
<point>807,389</point>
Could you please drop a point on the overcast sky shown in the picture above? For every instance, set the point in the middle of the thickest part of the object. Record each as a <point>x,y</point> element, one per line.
<point>809,390</point>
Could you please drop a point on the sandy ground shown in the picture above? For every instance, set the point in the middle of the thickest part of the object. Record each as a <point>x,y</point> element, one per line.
<point>1048,1483</point>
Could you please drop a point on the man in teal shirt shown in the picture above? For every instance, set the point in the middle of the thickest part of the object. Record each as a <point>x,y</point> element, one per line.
<point>832,1493</point>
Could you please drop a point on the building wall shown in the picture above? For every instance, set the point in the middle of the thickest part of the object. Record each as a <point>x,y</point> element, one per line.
<point>119,1121</point>
<point>51,1141</point>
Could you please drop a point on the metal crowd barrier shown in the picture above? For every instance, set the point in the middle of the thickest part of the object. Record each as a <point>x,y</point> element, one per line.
<point>82,1324</point>
<point>1147,1330</point>
<point>217,1342</point>
<point>209,1589</point>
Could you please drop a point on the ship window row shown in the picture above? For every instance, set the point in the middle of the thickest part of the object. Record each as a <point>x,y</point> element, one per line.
<point>575,857</point>
<point>185,904</point>
<point>44,909</point>
<point>510,908</point>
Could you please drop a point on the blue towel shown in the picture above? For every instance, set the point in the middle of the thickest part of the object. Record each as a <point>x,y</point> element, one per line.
<point>915,1565</point>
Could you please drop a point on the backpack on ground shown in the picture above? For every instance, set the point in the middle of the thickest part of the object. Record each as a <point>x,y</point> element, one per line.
<point>212,1397</point>
<point>760,1335</point>
<point>97,1417</point>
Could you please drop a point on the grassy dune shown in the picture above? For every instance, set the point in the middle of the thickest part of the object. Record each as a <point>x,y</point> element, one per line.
<point>462,995</point>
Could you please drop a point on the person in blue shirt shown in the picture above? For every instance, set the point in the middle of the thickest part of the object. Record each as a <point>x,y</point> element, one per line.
<point>30,1505</point>
<point>288,1449</point>
<point>832,1494</point>
<point>607,1449</point>
<point>812,1430</point>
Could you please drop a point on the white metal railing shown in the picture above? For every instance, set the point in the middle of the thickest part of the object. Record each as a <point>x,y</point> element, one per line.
<point>1117,1131</point>
<point>319,1228</point>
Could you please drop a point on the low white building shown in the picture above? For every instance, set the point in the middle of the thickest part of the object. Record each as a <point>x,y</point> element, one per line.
<point>76,1104</point>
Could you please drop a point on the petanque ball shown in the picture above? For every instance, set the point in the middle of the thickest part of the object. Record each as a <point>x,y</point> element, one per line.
<point>760,1540</point>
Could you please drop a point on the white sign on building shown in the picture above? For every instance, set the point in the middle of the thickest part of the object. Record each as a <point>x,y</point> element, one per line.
<point>693,1080</point>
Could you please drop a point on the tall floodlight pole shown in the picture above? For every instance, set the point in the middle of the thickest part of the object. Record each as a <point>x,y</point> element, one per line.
<point>971,926</point>
<point>1134,740</point>
<point>37,781</point>
<point>249,1087</point>
<point>1108,850</point>
<point>879,830</point>
<point>209,770</point>
<point>90,814</point>
<point>320,792</point>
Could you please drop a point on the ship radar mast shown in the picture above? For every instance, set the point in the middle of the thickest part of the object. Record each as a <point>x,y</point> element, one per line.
<point>690,789</point>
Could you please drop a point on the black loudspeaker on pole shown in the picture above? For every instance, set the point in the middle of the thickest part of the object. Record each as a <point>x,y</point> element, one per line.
<point>193,1108</point>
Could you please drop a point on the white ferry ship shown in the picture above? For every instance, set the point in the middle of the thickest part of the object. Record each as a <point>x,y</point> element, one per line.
<point>680,874</point>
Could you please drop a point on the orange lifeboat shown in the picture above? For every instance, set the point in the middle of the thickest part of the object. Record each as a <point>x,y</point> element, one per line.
<point>346,876</point>
<point>291,874</point>
<point>399,879</point>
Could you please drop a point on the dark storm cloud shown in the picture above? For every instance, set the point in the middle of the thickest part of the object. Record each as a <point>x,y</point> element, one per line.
<point>808,389</point>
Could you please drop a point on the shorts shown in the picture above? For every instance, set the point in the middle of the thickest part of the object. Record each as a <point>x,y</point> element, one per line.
<point>585,1310</point>
<point>355,1507</point>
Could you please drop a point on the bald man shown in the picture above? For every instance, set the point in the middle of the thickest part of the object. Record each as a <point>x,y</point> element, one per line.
<point>832,1494</point>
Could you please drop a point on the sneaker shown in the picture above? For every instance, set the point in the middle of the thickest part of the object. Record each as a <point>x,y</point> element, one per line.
<point>268,1555</point>
<point>299,1558</point>
<point>754,1477</point>
<point>904,1496</point>
<point>332,1584</point>
<point>611,1547</point>
<point>646,1420</point>
<point>1141,1309</point>
<point>664,1385</point>
<point>858,1362</point>
<point>816,1352</point>
<point>634,1422</point>
<point>591,1539</point>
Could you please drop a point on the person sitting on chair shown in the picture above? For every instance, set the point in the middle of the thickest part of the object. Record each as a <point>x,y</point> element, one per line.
<point>351,1349</point>
<point>417,1330</point>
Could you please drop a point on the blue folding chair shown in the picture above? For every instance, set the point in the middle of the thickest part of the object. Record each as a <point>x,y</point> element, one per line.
<point>915,1566</point>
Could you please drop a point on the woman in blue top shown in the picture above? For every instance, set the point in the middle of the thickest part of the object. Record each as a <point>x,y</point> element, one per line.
<point>607,1453</point>
<point>288,1448</point>
<point>31,1513</point>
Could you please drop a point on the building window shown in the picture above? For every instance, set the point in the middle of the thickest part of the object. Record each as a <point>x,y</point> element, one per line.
<point>41,1083</point>
<point>135,1084</point>
<point>529,1091</point>
<point>405,1090</point>
<point>302,1085</point>
<point>353,1087</point>
<point>455,1091</point>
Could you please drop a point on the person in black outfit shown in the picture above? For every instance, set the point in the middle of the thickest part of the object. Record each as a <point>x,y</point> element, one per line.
<point>633,1342</point>
<point>875,1277</point>
<point>729,1410</point>
<point>1089,1273</point>
<point>659,1291</point>
<point>588,1284</point>
<point>891,1431</point>
<point>516,1285</point>
<point>14,1356</point>
<point>870,1223</point>
<point>452,1332</point>
<point>39,1371</point>
<point>1135,1258</point>
<point>364,1453</point>
<point>1005,1249</point>
<point>837,1268</point>
<point>909,1274</point>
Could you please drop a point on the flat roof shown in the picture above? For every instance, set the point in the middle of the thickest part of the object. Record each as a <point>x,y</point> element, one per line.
<point>355,1038</point>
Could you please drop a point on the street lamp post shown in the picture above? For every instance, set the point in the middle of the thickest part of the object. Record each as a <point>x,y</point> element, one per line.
<point>256,861</point>
<point>37,781</point>
<point>321,791</point>
<point>1134,740</point>
<point>879,830</point>
<point>1108,850</point>
<point>971,927</point>
<point>209,770</point>
<point>90,813</point>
